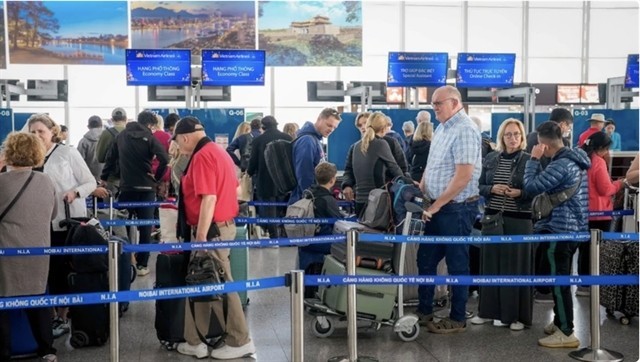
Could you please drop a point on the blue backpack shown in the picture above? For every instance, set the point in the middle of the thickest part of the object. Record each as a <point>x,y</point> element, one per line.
<point>402,190</point>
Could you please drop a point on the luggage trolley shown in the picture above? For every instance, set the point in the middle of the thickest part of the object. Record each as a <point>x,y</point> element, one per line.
<point>384,304</point>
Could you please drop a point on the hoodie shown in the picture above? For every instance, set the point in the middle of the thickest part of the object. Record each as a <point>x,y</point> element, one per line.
<point>567,166</point>
<point>135,148</point>
<point>307,154</point>
<point>87,149</point>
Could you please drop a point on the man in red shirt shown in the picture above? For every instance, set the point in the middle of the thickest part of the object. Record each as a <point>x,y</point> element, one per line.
<point>209,195</point>
<point>597,124</point>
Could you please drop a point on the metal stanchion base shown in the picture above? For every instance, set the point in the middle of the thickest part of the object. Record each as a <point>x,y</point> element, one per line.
<point>346,359</point>
<point>592,355</point>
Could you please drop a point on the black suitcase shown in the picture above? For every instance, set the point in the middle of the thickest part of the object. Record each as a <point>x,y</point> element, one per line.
<point>378,256</point>
<point>89,323</point>
<point>169,322</point>
<point>619,258</point>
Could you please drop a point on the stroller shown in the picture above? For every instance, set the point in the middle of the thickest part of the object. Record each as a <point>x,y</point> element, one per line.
<point>378,304</point>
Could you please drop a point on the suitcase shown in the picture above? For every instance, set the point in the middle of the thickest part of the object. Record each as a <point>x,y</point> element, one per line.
<point>23,344</point>
<point>376,256</point>
<point>374,302</point>
<point>89,323</point>
<point>126,274</point>
<point>619,258</point>
<point>169,320</point>
<point>239,259</point>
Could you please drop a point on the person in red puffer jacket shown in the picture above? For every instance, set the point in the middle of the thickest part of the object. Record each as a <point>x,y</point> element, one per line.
<point>601,191</point>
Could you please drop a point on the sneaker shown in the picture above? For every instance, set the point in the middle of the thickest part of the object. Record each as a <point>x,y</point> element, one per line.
<point>560,340</point>
<point>550,328</point>
<point>478,321</point>
<point>446,326</point>
<point>544,298</point>
<point>60,327</point>
<point>142,270</point>
<point>469,314</point>
<point>498,323</point>
<point>228,352</point>
<point>516,326</point>
<point>49,358</point>
<point>583,292</point>
<point>198,351</point>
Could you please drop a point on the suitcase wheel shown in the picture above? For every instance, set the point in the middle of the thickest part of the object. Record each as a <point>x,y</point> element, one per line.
<point>411,335</point>
<point>323,327</point>
<point>625,320</point>
<point>79,339</point>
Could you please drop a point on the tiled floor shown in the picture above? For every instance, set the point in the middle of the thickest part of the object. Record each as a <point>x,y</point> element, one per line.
<point>269,319</point>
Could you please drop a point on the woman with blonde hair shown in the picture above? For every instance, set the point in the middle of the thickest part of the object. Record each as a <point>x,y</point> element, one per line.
<point>507,212</point>
<point>420,145</point>
<point>370,159</point>
<point>291,129</point>
<point>243,128</point>
<point>28,204</point>
<point>73,182</point>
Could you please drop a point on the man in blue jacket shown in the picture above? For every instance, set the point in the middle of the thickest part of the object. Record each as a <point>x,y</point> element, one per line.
<point>307,149</point>
<point>566,169</point>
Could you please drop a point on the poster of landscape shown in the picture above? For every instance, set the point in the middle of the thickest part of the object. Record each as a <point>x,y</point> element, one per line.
<point>3,43</point>
<point>194,25</point>
<point>311,33</point>
<point>67,32</point>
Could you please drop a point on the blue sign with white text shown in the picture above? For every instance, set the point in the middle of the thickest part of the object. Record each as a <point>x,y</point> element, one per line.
<point>631,76</point>
<point>417,69</point>
<point>158,67</point>
<point>232,67</point>
<point>481,70</point>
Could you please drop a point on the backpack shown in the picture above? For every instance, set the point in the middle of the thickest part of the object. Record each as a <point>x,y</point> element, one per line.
<point>278,156</point>
<point>377,212</point>
<point>114,132</point>
<point>403,190</point>
<point>245,153</point>
<point>303,208</point>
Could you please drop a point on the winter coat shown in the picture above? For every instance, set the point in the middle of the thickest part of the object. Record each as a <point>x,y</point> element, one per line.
<point>307,154</point>
<point>489,168</point>
<point>601,189</point>
<point>258,166</point>
<point>420,151</point>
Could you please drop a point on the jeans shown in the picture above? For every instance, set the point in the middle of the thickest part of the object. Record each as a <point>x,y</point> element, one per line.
<point>272,212</point>
<point>453,219</point>
<point>142,213</point>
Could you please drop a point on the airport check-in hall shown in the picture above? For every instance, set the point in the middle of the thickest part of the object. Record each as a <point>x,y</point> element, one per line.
<point>319,180</point>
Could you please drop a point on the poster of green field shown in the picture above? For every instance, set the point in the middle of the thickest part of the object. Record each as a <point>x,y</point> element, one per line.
<point>3,43</point>
<point>193,25</point>
<point>311,33</point>
<point>67,32</point>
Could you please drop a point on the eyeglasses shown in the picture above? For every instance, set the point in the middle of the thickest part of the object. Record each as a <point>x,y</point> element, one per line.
<point>514,135</point>
<point>439,103</point>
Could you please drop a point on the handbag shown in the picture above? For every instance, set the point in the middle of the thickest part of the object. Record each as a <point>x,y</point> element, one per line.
<point>494,224</point>
<point>245,187</point>
<point>204,269</point>
<point>17,197</point>
<point>543,204</point>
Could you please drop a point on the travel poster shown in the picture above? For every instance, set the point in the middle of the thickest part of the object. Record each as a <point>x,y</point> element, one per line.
<point>311,33</point>
<point>67,32</point>
<point>194,25</point>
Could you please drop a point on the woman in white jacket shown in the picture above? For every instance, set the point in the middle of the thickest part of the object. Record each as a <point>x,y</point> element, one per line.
<point>73,182</point>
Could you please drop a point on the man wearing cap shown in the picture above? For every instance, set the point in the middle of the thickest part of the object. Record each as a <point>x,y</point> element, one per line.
<point>88,143</point>
<point>119,119</point>
<point>209,204</point>
<point>597,124</point>
<point>258,169</point>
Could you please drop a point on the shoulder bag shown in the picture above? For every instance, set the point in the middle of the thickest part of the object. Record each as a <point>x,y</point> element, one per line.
<point>543,204</point>
<point>494,224</point>
<point>17,197</point>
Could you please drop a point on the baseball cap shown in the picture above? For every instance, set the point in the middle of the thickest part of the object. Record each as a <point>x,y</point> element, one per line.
<point>187,125</point>
<point>94,122</point>
<point>118,114</point>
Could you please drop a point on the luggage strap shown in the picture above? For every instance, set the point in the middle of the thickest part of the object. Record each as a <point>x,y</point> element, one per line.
<point>225,313</point>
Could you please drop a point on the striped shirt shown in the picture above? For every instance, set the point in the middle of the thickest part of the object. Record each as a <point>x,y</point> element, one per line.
<point>455,142</point>
<point>503,177</point>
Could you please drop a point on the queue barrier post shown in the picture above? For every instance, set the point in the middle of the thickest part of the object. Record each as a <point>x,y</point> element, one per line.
<point>352,321</point>
<point>296,287</point>
<point>594,352</point>
<point>115,248</point>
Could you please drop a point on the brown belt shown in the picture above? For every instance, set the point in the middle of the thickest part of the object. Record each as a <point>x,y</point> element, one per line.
<point>225,223</point>
<point>471,199</point>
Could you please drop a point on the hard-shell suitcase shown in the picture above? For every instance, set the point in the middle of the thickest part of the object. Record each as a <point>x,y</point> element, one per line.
<point>373,301</point>
<point>89,323</point>
<point>376,256</point>
<point>239,259</point>
<point>23,344</point>
<point>619,258</point>
<point>169,321</point>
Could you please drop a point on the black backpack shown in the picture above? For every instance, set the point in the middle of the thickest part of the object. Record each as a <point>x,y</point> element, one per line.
<point>278,156</point>
<point>114,132</point>
<point>245,153</point>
